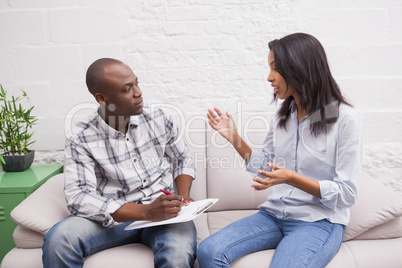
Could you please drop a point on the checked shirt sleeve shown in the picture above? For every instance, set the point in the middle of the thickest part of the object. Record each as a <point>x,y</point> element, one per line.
<point>80,186</point>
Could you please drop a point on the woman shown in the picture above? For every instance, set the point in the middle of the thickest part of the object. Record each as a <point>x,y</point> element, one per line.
<point>316,136</point>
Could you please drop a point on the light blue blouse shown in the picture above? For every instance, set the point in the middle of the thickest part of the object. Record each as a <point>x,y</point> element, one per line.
<point>333,159</point>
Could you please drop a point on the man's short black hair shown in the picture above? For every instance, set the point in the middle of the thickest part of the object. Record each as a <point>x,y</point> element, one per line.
<point>95,73</point>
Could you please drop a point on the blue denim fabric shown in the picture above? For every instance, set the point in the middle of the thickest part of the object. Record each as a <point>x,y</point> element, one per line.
<point>297,243</point>
<point>73,239</point>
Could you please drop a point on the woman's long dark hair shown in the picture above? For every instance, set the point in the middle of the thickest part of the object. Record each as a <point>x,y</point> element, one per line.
<point>301,60</point>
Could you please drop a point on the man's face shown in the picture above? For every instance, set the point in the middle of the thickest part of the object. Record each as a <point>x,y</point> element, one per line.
<point>120,91</point>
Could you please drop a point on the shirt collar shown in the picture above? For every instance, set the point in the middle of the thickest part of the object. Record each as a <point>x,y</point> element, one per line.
<point>134,122</point>
<point>293,109</point>
<point>106,128</point>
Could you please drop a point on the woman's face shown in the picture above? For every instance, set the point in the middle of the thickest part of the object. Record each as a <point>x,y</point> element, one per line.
<point>279,84</point>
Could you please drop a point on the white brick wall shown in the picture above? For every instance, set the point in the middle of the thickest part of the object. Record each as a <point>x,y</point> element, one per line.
<point>197,54</point>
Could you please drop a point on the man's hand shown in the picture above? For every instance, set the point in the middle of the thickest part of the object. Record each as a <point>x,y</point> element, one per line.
<point>188,200</point>
<point>164,207</point>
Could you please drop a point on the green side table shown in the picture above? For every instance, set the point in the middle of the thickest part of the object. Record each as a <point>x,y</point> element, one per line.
<point>15,187</point>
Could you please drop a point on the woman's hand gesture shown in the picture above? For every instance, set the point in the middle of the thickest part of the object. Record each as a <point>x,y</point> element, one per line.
<point>278,175</point>
<point>224,124</point>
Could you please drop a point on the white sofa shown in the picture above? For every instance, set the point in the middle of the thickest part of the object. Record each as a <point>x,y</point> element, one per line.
<point>372,239</point>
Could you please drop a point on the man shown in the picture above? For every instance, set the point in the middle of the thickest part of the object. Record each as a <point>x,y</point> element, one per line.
<point>117,162</point>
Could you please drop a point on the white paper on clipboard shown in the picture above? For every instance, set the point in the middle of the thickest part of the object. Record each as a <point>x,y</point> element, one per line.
<point>187,213</point>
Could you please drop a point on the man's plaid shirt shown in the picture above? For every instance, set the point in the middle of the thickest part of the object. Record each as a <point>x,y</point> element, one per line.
<point>105,168</point>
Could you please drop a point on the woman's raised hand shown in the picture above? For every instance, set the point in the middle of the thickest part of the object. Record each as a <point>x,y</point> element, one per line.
<point>222,123</point>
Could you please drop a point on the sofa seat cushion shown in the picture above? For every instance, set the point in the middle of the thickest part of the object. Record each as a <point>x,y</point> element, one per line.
<point>201,223</point>
<point>356,253</point>
<point>132,255</point>
<point>262,259</point>
<point>27,238</point>
<point>352,254</point>
<point>22,257</point>
<point>219,219</point>
<point>376,253</point>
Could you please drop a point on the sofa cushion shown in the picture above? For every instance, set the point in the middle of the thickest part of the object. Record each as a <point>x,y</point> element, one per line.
<point>26,238</point>
<point>131,255</point>
<point>376,253</point>
<point>375,205</point>
<point>262,259</point>
<point>44,207</point>
<point>201,223</point>
<point>18,258</point>
<point>218,220</point>
<point>227,178</point>
<point>391,229</point>
<point>193,131</point>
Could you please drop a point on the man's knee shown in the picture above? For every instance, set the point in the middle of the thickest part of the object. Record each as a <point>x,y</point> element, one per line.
<point>176,246</point>
<point>65,234</point>
<point>57,239</point>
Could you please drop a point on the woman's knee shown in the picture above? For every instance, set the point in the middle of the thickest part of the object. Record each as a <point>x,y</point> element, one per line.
<point>207,248</point>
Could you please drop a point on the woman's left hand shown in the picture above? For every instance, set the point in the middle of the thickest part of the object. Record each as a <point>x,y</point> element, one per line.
<point>278,175</point>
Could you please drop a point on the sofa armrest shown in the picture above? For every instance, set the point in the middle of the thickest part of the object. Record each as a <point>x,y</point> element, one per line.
<point>44,207</point>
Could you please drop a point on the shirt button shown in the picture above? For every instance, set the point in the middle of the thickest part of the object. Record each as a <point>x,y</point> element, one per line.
<point>127,139</point>
<point>144,181</point>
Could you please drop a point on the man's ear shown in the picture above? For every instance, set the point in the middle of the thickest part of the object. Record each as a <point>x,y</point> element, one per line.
<point>100,98</point>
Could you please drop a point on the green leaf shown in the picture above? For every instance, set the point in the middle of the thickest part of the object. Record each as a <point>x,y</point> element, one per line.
<point>15,122</point>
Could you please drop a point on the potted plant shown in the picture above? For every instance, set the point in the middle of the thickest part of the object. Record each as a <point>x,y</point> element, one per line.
<point>15,134</point>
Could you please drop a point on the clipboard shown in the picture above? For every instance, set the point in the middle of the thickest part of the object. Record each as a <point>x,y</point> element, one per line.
<point>187,213</point>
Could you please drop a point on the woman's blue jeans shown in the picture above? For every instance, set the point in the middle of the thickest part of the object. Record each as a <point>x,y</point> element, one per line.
<point>71,240</point>
<point>297,243</point>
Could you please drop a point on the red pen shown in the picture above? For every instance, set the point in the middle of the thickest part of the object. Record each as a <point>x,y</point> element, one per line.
<point>166,192</point>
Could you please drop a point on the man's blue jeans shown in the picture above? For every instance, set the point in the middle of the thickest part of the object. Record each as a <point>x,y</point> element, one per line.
<point>297,243</point>
<point>71,240</point>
